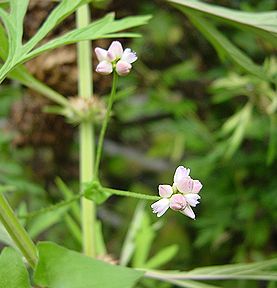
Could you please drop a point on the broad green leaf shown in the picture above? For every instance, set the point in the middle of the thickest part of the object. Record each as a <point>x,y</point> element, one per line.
<point>162,257</point>
<point>64,9</point>
<point>262,23</point>
<point>103,28</point>
<point>18,11</point>
<point>59,267</point>
<point>225,48</point>
<point>13,273</point>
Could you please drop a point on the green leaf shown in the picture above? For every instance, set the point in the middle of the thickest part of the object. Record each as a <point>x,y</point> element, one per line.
<point>103,28</point>
<point>263,23</point>
<point>5,237</point>
<point>59,267</point>
<point>21,74</point>
<point>14,26</point>
<point>68,194</point>
<point>64,9</point>
<point>13,273</point>
<point>4,47</point>
<point>94,191</point>
<point>162,257</point>
<point>74,228</point>
<point>106,27</point>
<point>271,152</point>
<point>46,220</point>
<point>18,11</point>
<point>244,117</point>
<point>225,48</point>
<point>224,272</point>
<point>129,242</point>
<point>144,240</point>
<point>99,241</point>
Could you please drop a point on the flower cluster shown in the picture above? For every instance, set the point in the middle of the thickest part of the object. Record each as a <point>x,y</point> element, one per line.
<point>82,109</point>
<point>115,58</point>
<point>181,196</point>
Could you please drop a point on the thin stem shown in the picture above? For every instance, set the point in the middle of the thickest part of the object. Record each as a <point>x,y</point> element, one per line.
<point>88,213</point>
<point>131,194</point>
<point>17,232</point>
<point>104,126</point>
<point>50,208</point>
<point>264,275</point>
<point>72,199</point>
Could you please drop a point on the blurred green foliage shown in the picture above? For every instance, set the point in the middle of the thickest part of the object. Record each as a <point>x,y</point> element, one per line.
<point>181,106</point>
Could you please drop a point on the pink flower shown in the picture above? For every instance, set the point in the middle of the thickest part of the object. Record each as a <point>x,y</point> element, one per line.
<point>178,202</point>
<point>181,196</point>
<point>115,58</point>
<point>161,206</point>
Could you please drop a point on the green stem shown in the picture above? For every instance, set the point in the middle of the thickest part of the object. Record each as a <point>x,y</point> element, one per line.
<point>71,201</point>
<point>88,213</point>
<point>104,126</point>
<point>131,194</point>
<point>17,232</point>
<point>51,208</point>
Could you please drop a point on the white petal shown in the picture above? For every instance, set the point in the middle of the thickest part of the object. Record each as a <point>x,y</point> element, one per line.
<point>177,202</point>
<point>123,68</point>
<point>115,50</point>
<point>188,212</point>
<point>129,56</point>
<point>104,68</point>
<point>185,185</point>
<point>181,173</point>
<point>197,186</point>
<point>165,191</point>
<point>160,207</point>
<point>161,213</point>
<point>192,199</point>
<point>101,54</point>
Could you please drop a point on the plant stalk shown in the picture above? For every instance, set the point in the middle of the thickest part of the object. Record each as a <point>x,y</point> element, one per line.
<point>17,232</point>
<point>104,126</point>
<point>131,194</point>
<point>88,209</point>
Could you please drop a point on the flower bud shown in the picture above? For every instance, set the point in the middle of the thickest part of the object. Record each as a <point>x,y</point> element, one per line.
<point>178,202</point>
<point>104,68</point>
<point>123,68</point>
<point>82,109</point>
<point>197,186</point>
